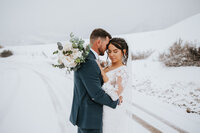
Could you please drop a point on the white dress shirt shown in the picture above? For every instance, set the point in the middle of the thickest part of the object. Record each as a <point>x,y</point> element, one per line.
<point>95,53</point>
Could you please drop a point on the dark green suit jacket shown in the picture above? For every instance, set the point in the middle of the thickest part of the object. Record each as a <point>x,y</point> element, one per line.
<point>89,97</point>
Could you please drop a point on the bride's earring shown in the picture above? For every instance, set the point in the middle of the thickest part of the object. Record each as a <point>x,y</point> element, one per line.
<point>124,59</point>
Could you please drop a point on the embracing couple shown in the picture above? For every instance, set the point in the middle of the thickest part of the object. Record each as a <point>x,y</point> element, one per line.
<point>98,91</point>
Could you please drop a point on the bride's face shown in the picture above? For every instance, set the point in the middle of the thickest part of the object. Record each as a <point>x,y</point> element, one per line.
<point>114,54</point>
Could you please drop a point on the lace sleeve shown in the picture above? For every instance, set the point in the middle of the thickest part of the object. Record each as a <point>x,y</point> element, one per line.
<point>111,87</point>
<point>110,90</point>
<point>124,75</point>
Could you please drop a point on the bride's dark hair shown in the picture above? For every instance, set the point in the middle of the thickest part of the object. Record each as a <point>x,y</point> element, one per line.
<point>121,44</point>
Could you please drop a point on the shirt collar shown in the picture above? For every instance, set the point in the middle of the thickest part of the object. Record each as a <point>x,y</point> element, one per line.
<point>96,55</point>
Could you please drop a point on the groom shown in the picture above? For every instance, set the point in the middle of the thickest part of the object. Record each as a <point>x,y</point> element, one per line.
<point>89,97</point>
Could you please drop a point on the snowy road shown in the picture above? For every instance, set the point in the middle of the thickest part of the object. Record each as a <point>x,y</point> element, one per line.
<point>157,116</point>
<point>152,122</point>
<point>31,100</point>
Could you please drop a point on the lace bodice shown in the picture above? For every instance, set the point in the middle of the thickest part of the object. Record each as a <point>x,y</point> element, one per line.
<point>110,86</point>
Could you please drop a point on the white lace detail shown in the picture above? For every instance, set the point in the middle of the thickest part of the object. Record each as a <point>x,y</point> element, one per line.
<point>110,86</point>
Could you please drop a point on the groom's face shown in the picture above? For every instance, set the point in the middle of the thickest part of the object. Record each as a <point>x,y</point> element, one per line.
<point>102,46</point>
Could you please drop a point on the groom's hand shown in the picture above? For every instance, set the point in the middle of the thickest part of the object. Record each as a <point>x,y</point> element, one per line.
<point>120,100</point>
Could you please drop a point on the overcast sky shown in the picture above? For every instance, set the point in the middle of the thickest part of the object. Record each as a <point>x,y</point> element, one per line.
<point>46,21</point>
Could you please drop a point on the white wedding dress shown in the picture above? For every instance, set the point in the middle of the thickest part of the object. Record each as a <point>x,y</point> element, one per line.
<point>117,120</point>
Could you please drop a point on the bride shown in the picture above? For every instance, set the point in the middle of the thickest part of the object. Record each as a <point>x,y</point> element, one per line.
<point>116,79</point>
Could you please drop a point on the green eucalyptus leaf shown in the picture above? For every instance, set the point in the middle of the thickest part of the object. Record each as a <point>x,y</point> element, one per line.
<point>55,52</point>
<point>60,47</point>
<point>74,45</point>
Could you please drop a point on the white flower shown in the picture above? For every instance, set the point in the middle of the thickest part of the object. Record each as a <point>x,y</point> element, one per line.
<point>68,58</point>
<point>67,47</point>
<point>68,61</point>
<point>76,53</point>
<point>72,64</point>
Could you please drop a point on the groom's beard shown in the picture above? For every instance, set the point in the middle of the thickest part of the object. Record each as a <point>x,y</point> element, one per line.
<point>101,51</point>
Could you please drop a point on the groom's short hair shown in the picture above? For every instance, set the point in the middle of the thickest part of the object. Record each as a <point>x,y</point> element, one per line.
<point>96,33</point>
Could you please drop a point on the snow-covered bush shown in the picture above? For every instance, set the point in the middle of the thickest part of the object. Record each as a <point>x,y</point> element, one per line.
<point>141,55</point>
<point>180,54</point>
<point>6,53</point>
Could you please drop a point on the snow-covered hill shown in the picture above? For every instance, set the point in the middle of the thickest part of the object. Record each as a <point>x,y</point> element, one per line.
<point>187,30</point>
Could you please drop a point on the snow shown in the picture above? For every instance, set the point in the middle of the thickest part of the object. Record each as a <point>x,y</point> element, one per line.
<point>32,98</point>
<point>178,86</point>
<point>36,97</point>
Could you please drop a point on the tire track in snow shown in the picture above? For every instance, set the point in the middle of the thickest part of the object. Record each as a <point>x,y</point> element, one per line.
<point>144,123</point>
<point>55,101</point>
<point>148,126</point>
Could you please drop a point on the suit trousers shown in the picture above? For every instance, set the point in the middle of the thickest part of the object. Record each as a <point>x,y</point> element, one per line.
<point>82,130</point>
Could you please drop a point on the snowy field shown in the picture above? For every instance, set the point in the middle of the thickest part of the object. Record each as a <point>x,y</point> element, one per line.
<point>36,98</point>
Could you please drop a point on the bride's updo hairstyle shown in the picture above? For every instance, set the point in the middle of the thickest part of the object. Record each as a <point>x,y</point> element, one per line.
<point>121,44</point>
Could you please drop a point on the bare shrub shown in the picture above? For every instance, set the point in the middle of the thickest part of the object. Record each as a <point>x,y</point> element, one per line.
<point>6,53</point>
<point>181,55</point>
<point>141,55</point>
<point>1,46</point>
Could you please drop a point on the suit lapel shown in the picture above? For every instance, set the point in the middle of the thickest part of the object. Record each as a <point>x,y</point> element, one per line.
<point>92,56</point>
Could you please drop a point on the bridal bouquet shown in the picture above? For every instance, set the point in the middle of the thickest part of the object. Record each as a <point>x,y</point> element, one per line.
<point>72,54</point>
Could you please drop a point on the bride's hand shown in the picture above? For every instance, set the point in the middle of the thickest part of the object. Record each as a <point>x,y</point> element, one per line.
<point>99,65</point>
<point>105,78</point>
<point>120,100</point>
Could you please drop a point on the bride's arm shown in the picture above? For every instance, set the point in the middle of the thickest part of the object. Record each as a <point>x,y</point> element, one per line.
<point>122,79</point>
<point>114,94</point>
<point>120,87</point>
<point>108,88</point>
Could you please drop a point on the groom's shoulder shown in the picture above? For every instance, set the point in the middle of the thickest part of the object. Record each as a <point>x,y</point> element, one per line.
<point>89,64</point>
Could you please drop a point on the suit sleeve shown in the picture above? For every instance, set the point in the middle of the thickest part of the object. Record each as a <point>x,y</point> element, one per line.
<point>90,77</point>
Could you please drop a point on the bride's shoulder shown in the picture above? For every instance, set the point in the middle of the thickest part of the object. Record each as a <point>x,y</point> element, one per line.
<point>122,70</point>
